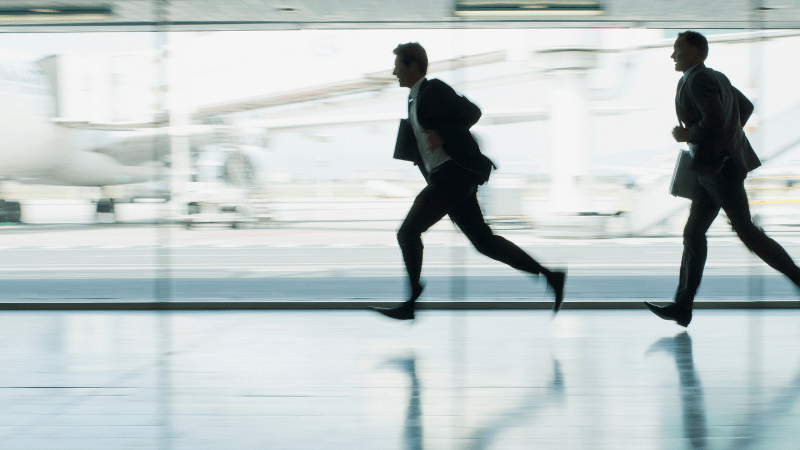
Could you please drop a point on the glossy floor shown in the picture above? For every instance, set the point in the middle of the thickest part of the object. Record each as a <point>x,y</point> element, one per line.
<point>355,380</point>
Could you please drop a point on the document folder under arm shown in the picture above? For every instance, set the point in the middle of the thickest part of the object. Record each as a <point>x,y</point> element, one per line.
<point>684,180</point>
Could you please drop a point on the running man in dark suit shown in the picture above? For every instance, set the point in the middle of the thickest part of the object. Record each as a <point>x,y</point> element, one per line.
<point>712,114</point>
<point>436,138</point>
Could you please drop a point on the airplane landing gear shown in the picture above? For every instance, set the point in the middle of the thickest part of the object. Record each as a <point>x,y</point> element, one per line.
<point>10,212</point>
<point>105,206</point>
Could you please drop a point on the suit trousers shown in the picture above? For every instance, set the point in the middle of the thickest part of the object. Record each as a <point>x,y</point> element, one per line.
<point>724,189</point>
<point>452,191</point>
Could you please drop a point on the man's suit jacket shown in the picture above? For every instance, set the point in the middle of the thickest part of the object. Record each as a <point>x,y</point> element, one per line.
<point>441,109</point>
<point>715,113</point>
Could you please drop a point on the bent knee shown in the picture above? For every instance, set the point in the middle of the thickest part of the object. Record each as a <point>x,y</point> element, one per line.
<point>694,240</point>
<point>486,245</point>
<point>747,232</point>
<point>406,237</point>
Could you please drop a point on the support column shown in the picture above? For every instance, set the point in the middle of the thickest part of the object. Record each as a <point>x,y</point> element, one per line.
<point>570,184</point>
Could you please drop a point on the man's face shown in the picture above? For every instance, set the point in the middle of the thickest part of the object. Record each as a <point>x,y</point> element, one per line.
<point>684,55</point>
<point>407,75</point>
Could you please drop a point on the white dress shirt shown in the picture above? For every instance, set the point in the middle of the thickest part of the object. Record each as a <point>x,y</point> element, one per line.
<point>692,147</point>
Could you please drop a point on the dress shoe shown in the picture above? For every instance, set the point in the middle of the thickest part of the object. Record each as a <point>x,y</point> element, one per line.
<point>671,312</point>
<point>556,282</point>
<point>403,311</point>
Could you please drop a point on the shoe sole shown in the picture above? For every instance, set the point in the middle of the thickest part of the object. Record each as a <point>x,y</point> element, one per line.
<point>654,309</point>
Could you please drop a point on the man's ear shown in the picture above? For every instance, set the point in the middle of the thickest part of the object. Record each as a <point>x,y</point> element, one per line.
<point>697,55</point>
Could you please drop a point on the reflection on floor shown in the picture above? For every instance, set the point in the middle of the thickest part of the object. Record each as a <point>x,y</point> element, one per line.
<point>355,380</point>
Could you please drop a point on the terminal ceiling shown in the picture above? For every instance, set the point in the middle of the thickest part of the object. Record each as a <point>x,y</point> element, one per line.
<point>196,15</point>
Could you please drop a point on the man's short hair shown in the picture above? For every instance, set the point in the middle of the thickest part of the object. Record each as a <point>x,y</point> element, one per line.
<point>413,52</point>
<point>696,40</point>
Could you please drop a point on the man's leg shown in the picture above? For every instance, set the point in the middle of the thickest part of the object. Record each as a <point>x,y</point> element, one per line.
<point>733,199</point>
<point>695,247</point>
<point>469,218</point>
<point>429,207</point>
<point>695,250</point>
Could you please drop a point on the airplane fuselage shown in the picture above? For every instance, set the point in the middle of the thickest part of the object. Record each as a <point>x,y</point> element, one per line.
<point>35,148</point>
<point>30,143</point>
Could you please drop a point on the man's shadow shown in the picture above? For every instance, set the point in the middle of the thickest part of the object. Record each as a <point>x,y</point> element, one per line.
<point>484,436</point>
<point>759,425</point>
<point>530,405</point>
<point>679,347</point>
<point>412,429</point>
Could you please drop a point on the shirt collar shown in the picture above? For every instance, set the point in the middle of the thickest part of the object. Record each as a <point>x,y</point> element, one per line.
<point>415,88</point>
<point>691,69</point>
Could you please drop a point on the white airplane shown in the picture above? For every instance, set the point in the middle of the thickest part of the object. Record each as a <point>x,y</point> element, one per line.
<point>43,149</point>
<point>37,147</point>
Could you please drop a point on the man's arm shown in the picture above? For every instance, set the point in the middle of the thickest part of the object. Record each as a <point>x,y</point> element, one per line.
<point>745,107</point>
<point>704,92</point>
<point>454,114</point>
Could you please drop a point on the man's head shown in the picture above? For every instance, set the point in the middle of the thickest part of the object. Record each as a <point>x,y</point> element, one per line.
<point>690,49</point>
<point>411,63</point>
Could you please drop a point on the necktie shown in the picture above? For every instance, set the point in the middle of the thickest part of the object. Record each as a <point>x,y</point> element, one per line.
<point>678,99</point>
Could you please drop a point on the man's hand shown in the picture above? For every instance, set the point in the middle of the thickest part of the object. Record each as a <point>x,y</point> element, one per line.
<point>680,134</point>
<point>434,141</point>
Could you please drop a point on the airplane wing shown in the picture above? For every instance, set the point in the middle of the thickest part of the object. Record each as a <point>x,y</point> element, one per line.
<point>157,122</point>
<point>299,124</point>
<point>370,82</point>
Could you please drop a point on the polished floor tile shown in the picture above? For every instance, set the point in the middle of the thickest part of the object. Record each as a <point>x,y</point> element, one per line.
<point>354,380</point>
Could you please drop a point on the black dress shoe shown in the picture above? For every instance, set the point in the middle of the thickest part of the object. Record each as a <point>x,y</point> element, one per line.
<point>556,283</point>
<point>403,311</point>
<point>671,312</point>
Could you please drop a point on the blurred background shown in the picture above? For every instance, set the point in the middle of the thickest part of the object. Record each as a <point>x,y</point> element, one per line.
<point>213,155</point>
<point>257,163</point>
